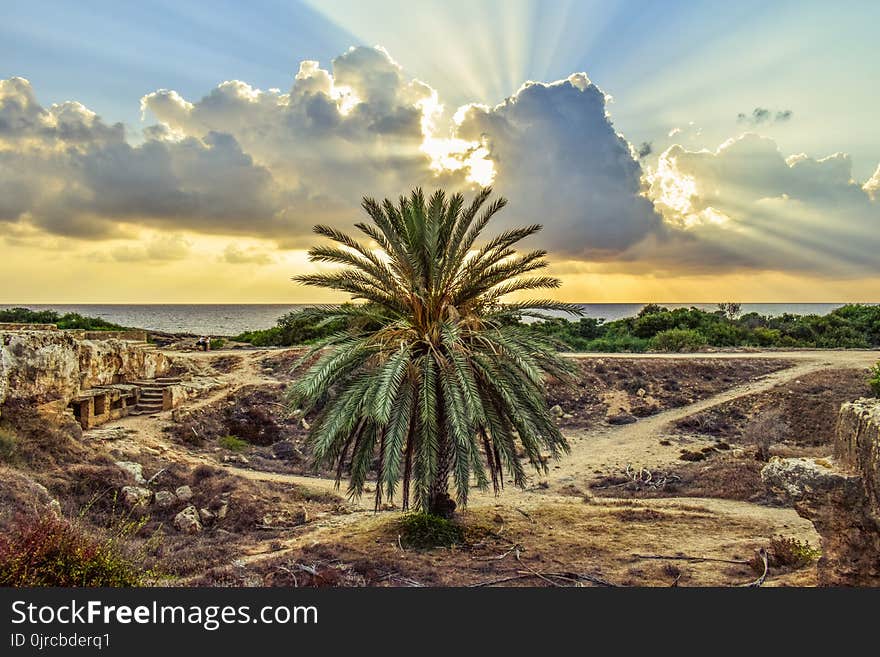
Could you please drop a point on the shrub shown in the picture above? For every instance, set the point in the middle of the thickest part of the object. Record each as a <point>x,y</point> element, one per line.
<point>217,343</point>
<point>874,379</point>
<point>425,531</point>
<point>233,443</point>
<point>788,552</point>
<point>618,343</point>
<point>55,552</point>
<point>8,447</point>
<point>677,340</point>
<point>764,430</point>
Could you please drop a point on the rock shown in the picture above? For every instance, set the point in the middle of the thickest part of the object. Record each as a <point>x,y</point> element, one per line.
<point>165,499</point>
<point>206,516</point>
<point>287,451</point>
<point>235,458</point>
<point>184,493</point>
<point>305,425</point>
<point>567,416</point>
<point>136,470</point>
<point>621,418</point>
<point>641,392</point>
<point>557,410</point>
<point>223,510</point>
<point>794,478</point>
<point>43,366</point>
<point>188,520</point>
<point>840,497</point>
<point>136,496</point>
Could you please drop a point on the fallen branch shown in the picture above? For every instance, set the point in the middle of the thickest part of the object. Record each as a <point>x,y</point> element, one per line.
<point>760,581</point>
<point>685,557</point>
<point>151,479</point>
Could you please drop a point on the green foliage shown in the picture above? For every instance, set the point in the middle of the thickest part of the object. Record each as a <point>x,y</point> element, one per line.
<point>852,326</point>
<point>295,328</point>
<point>874,379</point>
<point>66,321</point>
<point>434,377</point>
<point>792,552</point>
<point>677,340</point>
<point>217,343</point>
<point>233,443</point>
<point>54,552</point>
<point>424,531</point>
<point>8,447</point>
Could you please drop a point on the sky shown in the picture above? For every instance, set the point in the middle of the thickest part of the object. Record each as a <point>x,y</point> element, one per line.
<point>162,152</point>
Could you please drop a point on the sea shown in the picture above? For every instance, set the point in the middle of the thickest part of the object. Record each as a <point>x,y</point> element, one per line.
<point>232,319</point>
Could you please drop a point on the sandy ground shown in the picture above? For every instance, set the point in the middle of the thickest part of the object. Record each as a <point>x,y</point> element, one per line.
<point>722,529</point>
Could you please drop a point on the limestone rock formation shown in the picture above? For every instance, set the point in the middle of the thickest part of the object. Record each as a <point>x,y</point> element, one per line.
<point>40,367</point>
<point>841,497</point>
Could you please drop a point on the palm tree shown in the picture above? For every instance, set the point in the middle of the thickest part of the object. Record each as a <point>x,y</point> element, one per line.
<point>434,377</point>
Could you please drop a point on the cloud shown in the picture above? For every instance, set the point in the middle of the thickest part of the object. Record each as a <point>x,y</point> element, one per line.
<point>235,255</point>
<point>334,136</point>
<point>761,115</point>
<point>160,248</point>
<point>66,172</point>
<point>561,163</point>
<point>745,205</point>
<point>268,164</point>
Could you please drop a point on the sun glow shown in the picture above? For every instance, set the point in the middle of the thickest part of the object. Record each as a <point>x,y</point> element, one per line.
<point>453,153</point>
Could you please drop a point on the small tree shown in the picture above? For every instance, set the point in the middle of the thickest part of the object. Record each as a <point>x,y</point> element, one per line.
<point>730,310</point>
<point>433,378</point>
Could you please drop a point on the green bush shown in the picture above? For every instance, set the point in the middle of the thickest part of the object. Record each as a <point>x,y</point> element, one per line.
<point>874,379</point>
<point>66,321</point>
<point>217,343</point>
<point>8,447</point>
<point>425,531</point>
<point>677,340</point>
<point>54,552</point>
<point>233,443</point>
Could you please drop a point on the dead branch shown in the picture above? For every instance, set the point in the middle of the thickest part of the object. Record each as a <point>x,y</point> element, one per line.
<point>762,553</point>
<point>685,557</point>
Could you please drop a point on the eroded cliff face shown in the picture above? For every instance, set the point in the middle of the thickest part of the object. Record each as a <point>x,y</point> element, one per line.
<point>840,496</point>
<point>42,367</point>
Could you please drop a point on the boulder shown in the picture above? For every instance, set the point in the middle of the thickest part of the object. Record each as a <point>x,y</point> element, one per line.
<point>136,470</point>
<point>557,410</point>
<point>136,496</point>
<point>184,493</point>
<point>188,520</point>
<point>165,499</point>
<point>621,418</point>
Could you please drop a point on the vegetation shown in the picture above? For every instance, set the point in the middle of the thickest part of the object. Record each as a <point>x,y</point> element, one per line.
<point>434,377</point>
<point>852,326</point>
<point>424,531</point>
<point>8,447</point>
<point>294,328</point>
<point>874,379</point>
<point>217,343</point>
<point>65,321</point>
<point>51,551</point>
<point>233,443</point>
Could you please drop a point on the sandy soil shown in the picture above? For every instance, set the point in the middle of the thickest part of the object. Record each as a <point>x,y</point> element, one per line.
<point>554,525</point>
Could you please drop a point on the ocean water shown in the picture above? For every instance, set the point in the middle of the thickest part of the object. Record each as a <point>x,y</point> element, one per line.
<point>232,319</point>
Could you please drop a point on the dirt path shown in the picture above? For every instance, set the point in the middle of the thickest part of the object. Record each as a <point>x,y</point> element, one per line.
<point>598,448</point>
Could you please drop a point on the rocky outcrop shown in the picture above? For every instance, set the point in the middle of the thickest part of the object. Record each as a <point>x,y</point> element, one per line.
<point>40,367</point>
<point>840,496</point>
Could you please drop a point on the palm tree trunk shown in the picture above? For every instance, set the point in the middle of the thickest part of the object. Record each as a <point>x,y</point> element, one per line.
<point>439,501</point>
